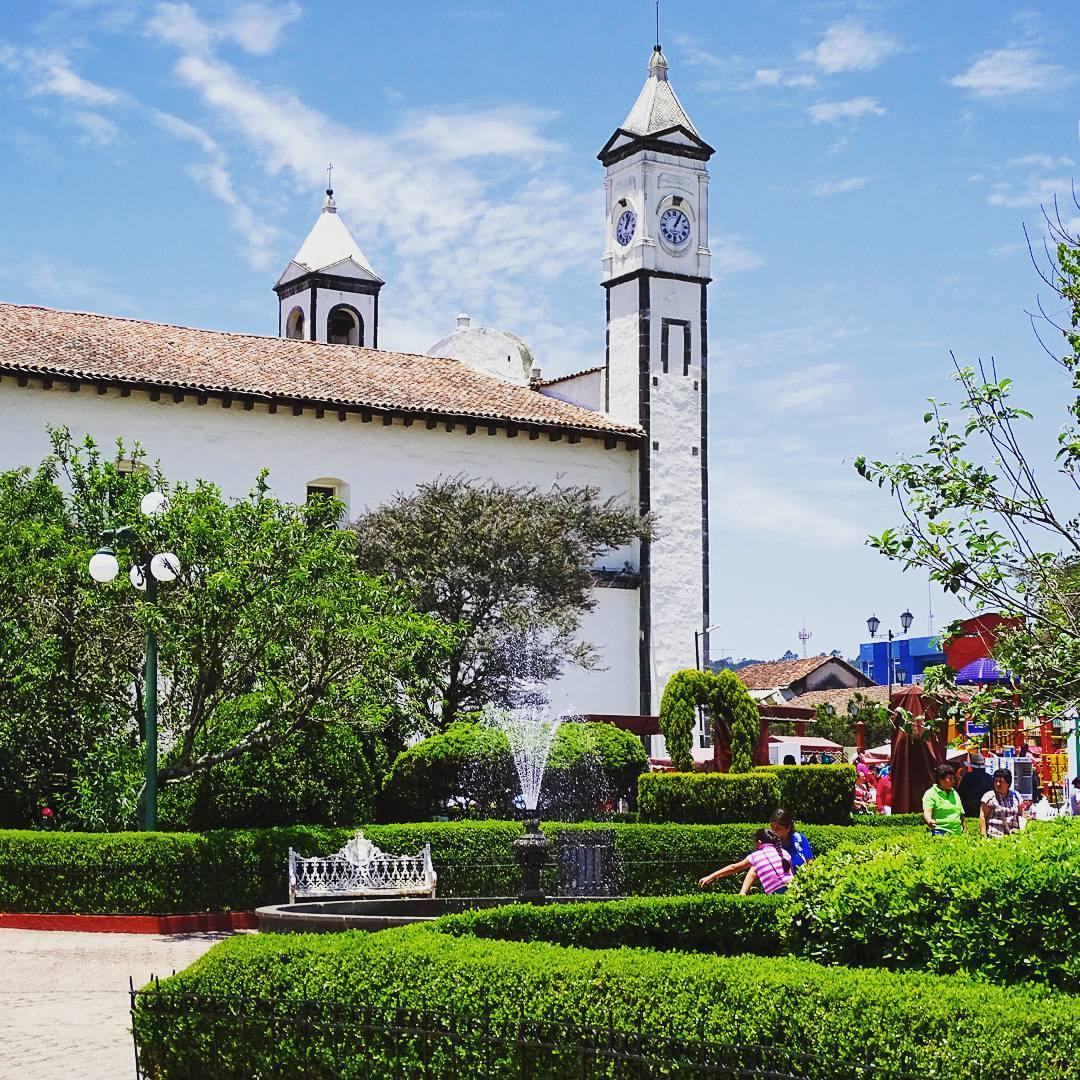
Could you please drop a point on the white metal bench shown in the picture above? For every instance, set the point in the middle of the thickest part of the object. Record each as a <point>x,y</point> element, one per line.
<point>361,869</point>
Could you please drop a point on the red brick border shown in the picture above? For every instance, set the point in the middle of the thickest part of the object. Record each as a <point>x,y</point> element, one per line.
<point>200,922</point>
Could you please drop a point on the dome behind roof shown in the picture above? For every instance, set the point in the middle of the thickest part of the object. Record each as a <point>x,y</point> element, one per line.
<point>495,352</point>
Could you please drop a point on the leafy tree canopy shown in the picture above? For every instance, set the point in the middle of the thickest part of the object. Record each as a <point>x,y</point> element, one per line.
<point>976,511</point>
<point>508,567</point>
<point>270,631</point>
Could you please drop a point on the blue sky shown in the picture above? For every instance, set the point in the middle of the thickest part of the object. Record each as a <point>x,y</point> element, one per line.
<point>875,166</point>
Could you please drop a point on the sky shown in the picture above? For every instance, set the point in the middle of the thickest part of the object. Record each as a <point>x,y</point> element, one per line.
<point>876,165</point>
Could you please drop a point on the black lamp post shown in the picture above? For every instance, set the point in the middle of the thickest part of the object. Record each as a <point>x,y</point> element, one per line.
<point>698,635</point>
<point>145,573</point>
<point>874,623</point>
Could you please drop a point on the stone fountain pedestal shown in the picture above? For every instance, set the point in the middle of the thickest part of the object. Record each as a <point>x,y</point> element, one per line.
<point>531,852</point>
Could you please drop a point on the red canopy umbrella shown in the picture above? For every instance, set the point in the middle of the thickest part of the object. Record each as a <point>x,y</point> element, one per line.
<point>914,754</point>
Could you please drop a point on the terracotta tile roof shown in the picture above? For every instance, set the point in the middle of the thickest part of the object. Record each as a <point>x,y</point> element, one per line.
<point>100,348</point>
<point>839,698</point>
<point>779,672</point>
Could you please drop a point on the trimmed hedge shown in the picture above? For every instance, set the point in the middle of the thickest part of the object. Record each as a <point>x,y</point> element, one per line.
<point>813,793</point>
<point>205,1022</point>
<point>163,873</point>
<point>721,924</point>
<point>822,794</point>
<point>889,820</point>
<point>1007,909</point>
<point>167,873</point>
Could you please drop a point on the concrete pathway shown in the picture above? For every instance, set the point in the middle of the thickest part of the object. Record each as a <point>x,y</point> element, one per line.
<point>64,1006</point>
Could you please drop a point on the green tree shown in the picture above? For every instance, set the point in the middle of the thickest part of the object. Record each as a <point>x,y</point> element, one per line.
<point>979,518</point>
<point>270,632</point>
<point>732,715</point>
<point>508,567</point>
<point>840,728</point>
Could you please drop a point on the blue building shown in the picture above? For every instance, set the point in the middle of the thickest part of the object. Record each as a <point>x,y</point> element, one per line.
<point>910,657</point>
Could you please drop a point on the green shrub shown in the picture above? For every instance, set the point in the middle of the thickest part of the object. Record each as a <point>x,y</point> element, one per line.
<point>332,993</point>
<point>721,924</point>
<point>160,873</point>
<point>822,794</point>
<point>1007,909</point>
<point>813,793</point>
<point>165,873</point>
<point>469,770</point>
<point>906,821</point>
<point>707,798</point>
<point>326,776</point>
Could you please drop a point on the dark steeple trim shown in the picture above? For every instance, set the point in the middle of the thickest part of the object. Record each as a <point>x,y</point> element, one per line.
<point>705,618</point>
<point>607,350</point>
<point>375,323</point>
<point>695,148</point>
<point>671,276</point>
<point>328,281</point>
<point>665,334</point>
<point>644,499</point>
<point>314,308</point>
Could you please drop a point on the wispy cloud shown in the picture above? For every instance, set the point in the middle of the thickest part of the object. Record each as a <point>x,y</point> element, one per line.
<point>50,73</point>
<point>806,389</point>
<point>848,46</point>
<point>96,129</point>
<point>745,502</point>
<point>826,188</point>
<point>777,77</point>
<point>505,132</point>
<point>1012,71</point>
<point>256,27</point>
<point>829,112</point>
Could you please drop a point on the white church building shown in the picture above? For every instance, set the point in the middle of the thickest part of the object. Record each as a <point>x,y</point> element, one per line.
<point>322,406</point>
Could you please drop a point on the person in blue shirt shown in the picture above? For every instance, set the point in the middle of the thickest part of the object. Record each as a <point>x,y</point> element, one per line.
<point>795,844</point>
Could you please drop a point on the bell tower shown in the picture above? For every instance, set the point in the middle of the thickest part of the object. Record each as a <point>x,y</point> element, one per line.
<point>329,292</point>
<point>656,277</point>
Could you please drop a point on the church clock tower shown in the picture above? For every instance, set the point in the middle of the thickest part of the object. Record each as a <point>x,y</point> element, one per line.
<point>656,274</point>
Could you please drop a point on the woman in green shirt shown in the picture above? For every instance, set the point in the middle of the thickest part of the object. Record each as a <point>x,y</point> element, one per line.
<point>942,809</point>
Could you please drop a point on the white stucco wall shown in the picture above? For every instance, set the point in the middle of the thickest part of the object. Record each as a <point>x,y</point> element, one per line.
<point>586,390</point>
<point>675,483</point>
<point>230,446</point>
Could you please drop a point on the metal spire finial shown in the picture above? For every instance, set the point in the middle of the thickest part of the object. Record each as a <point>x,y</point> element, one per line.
<point>330,178</point>
<point>658,49</point>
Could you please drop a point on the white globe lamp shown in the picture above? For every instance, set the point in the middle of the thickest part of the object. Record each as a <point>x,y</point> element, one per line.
<point>165,567</point>
<point>103,566</point>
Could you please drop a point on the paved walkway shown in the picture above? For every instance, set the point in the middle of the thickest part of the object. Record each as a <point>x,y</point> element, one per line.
<point>64,999</point>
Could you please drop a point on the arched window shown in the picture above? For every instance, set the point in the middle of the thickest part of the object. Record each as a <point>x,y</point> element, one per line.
<point>329,487</point>
<point>344,326</point>
<point>294,325</point>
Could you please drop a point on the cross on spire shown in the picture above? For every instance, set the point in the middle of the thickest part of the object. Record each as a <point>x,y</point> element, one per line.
<point>330,175</point>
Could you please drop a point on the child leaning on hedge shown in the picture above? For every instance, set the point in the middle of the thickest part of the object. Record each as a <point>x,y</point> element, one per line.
<point>768,863</point>
<point>794,843</point>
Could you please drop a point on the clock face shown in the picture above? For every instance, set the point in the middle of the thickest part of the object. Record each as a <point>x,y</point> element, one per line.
<point>624,227</point>
<point>674,226</point>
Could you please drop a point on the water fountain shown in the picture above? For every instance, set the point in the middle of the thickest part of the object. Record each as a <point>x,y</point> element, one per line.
<point>530,729</point>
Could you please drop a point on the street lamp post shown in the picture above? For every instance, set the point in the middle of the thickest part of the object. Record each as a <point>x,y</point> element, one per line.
<point>698,635</point>
<point>144,575</point>
<point>874,623</point>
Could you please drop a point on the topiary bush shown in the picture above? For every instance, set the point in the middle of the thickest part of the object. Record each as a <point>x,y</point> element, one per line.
<point>822,794</point>
<point>732,715</point>
<point>707,798</point>
<point>813,793</point>
<point>415,1002</point>
<point>468,770</point>
<point>711,923</point>
<point>1007,909</point>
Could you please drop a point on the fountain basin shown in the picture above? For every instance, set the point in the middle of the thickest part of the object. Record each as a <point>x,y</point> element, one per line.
<point>328,916</point>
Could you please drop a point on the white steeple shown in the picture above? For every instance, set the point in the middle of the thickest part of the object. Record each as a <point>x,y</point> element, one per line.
<point>329,292</point>
<point>657,107</point>
<point>329,248</point>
